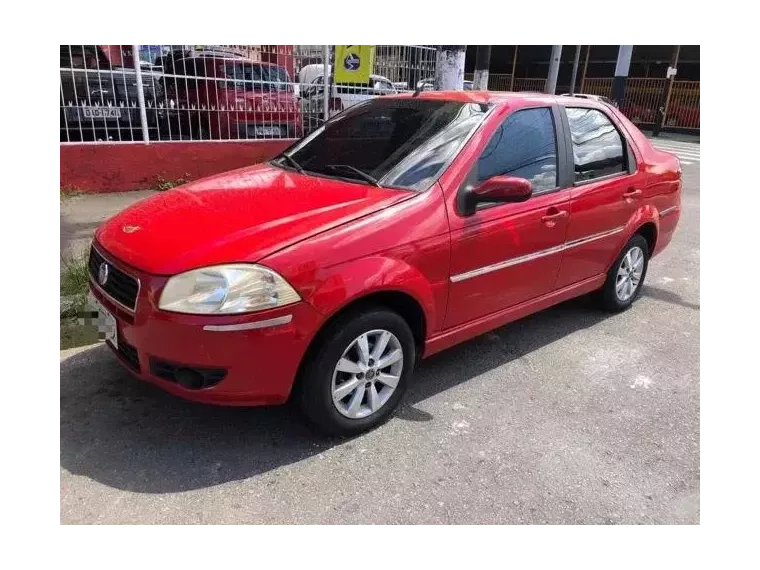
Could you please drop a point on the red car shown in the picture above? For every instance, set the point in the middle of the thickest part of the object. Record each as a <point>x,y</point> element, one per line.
<point>226,96</point>
<point>639,114</point>
<point>684,114</point>
<point>401,227</point>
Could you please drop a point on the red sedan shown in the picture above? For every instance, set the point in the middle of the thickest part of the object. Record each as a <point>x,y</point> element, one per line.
<point>403,226</point>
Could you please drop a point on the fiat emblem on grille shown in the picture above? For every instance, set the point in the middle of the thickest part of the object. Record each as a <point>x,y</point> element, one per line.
<point>103,273</point>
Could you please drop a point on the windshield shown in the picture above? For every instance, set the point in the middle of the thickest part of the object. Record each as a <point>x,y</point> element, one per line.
<point>402,143</point>
<point>257,77</point>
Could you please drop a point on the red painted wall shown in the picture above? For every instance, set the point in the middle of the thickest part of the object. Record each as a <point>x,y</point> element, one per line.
<point>122,167</point>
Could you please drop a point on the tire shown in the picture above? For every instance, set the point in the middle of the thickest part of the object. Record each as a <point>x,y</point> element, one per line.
<point>613,298</point>
<point>322,377</point>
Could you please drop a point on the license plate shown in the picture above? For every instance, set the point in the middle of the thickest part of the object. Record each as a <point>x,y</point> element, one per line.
<point>101,112</point>
<point>105,322</point>
<point>261,130</point>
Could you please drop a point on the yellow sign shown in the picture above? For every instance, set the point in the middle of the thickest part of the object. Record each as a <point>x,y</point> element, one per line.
<point>353,64</point>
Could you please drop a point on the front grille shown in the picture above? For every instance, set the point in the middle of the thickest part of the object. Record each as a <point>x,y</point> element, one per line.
<point>129,353</point>
<point>119,286</point>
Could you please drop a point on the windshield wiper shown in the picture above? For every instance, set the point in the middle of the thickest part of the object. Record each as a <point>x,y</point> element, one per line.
<point>360,173</point>
<point>292,162</point>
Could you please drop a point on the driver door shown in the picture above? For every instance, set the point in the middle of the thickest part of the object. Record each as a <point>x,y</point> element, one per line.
<point>506,254</point>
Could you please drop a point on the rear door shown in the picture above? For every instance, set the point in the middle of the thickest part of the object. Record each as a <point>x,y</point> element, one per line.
<point>505,254</point>
<point>607,190</point>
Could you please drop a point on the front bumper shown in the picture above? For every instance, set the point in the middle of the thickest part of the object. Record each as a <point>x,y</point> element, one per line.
<point>259,353</point>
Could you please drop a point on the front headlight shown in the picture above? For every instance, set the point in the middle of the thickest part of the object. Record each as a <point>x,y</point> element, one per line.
<point>226,289</point>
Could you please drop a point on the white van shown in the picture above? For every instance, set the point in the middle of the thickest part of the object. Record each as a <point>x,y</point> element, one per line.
<point>311,79</point>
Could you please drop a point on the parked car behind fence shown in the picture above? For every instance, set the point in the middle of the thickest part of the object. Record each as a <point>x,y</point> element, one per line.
<point>99,96</point>
<point>221,95</point>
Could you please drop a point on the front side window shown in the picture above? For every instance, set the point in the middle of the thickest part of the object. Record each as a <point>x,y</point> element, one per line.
<point>401,143</point>
<point>597,146</point>
<point>524,145</point>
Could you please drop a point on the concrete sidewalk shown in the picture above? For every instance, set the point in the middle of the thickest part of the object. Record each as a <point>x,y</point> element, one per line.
<point>82,214</point>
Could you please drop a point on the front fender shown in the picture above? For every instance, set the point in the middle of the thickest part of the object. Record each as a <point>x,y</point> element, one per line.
<point>347,282</point>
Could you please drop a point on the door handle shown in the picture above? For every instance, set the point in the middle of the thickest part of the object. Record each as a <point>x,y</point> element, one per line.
<point>551,217</point>
<point>631,193</point>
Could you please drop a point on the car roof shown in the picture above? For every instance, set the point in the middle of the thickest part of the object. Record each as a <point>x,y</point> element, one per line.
<point>587,96</point>
<point>484,97</point>
<point>371,76</point>
<point>222,56</point>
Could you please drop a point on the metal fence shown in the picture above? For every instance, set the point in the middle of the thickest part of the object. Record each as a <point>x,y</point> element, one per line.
<point>505,82</point>
<point>141,93</point>
<point>533,84</point>
<point>683,107</point>
<point>643,95</point>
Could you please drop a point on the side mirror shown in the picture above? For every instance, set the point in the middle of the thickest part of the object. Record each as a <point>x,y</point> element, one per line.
<point>503,189</point>
<point>496,189</point>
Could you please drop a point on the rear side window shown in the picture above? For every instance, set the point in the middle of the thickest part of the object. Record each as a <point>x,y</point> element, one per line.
<point>597,146</point>
<point>525,146</point>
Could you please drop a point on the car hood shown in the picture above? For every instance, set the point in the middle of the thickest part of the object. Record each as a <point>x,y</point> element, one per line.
<point>239,216</point>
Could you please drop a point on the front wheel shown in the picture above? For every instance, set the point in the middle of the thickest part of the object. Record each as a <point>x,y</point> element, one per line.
<point>626,276</point>
<point>358,372</point>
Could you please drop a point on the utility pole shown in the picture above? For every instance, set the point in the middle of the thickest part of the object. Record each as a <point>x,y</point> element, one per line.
<point>576,59</point>
<point>514,69</point>
<point>482,62</point>
<point>449,69</point>
<point>662,108</point>
<point>326,81</point>
<point>585,67</point>
<point>551,80</point>
<point>621,73</point>
<point>140,92</point>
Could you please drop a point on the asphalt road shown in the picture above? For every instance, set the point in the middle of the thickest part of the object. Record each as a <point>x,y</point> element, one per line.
<point>567,416</point>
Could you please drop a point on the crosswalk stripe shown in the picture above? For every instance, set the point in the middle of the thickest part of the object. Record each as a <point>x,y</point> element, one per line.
<point>683,154</point>
<point>680,150</point>
<point>673,141</point>
<point>671,149</point>
<point>690,152</point>
<point>691,149</point>
<point>676,143</point>
<point>677,150</point>
<point>687,153</point>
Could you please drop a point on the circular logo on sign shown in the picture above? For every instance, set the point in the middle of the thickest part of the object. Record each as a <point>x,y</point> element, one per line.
<point>103,273</point>
<point>351,62</point>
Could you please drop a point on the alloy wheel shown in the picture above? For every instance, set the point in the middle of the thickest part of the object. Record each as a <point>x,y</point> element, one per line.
<point>629,274</point>
<point>367,373</point>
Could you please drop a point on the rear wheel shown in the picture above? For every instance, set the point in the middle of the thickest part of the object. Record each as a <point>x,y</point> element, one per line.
<point>626,276</point>
<point>358,372</point>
